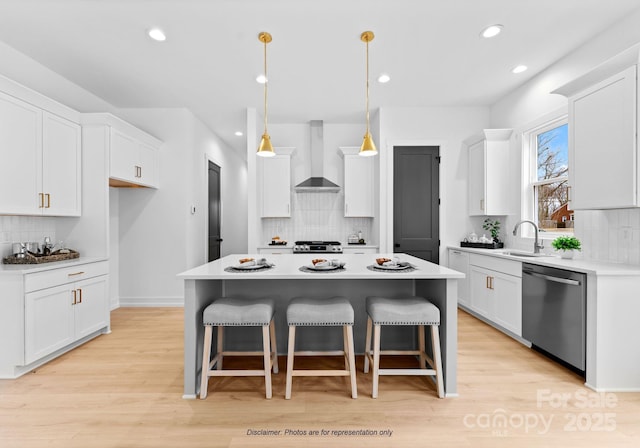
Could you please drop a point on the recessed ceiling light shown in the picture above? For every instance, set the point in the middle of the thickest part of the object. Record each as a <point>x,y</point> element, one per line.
<point>384,78</point>
<point>238,133</point>
<point>157,34</point>
<point>491,31</point>
<point>519,69</point>
<point>261,79</point>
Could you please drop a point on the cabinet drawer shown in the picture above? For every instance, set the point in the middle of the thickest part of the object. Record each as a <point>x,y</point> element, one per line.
<point>510,267</point>
<point>60,276</point>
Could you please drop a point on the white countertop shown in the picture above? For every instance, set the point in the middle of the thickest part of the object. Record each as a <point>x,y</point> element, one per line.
<point>21,269</point>
<point>287,266</point>
<point>598,268</point>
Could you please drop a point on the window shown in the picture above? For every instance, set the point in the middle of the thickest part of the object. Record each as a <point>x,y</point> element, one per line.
<point>547,195</point>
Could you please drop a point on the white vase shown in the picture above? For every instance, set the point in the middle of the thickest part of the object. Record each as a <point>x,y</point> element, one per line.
<point>567,254</point>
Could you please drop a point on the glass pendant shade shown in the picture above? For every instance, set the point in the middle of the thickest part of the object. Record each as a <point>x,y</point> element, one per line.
<point>265,149</point>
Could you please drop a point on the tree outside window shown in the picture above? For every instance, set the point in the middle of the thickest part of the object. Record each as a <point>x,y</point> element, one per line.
<point>551,180</point>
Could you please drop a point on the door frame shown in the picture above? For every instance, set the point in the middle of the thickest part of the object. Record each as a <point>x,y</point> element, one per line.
<point>205,238</point>
<point>386,190</point>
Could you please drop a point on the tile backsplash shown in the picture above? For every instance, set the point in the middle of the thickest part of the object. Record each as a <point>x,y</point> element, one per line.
<point>16,229</point>
<point>316,216</point>
<point>609,235</point>
<point>605,235</point>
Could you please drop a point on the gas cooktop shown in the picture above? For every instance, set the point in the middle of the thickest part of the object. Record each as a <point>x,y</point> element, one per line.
<point>317,247</point>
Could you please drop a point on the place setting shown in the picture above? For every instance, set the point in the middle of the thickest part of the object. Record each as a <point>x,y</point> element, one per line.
<point>391,265</point>
<point>250,265</point>
<point>324,265</point>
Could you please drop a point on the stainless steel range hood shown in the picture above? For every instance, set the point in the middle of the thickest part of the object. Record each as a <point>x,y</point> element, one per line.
<point>317,183</point>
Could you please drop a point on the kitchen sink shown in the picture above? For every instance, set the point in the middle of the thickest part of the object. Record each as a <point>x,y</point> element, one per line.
<point>521,253</point>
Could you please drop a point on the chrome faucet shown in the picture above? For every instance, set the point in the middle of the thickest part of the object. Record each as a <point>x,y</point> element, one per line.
<point>536,246</point>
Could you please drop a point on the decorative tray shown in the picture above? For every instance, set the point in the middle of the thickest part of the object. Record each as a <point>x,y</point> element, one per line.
<point>482,245</point>
<point>31,258</point>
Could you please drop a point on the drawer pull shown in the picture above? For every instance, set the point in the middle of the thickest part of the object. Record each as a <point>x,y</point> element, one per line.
<point>74,297</point>
<point>41,195</point>
<point>48,200</point>
<point>75,273</point>
<point>80,295</point>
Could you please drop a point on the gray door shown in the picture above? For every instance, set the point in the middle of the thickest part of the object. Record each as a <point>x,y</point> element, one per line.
<point>214,212</point>
<point>416,201</point>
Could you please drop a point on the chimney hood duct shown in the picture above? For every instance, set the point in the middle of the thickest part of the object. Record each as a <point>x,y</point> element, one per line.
<point>317,183</point>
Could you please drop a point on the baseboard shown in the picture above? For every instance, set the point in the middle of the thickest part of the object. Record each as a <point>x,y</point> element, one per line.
<point>151,302</point>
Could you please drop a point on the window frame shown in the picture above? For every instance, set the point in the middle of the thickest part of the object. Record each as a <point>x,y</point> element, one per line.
<point>529,201</point>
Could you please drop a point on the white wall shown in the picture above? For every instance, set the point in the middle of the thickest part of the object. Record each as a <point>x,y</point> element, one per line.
<point>612,235</point>
<point>446,127</point>
<point>159,237</point>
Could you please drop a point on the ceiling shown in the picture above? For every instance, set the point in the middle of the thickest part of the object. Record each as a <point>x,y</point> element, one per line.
<point>316,61</point>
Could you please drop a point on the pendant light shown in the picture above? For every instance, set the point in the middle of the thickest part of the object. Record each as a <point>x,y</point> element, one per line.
<point>265,149</point>
<point>368,148</point>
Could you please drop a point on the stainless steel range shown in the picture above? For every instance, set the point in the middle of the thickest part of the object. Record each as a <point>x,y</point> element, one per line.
<point>317,247</point>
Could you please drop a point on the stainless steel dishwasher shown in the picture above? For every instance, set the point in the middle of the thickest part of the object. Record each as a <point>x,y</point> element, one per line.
<point>554,311</point>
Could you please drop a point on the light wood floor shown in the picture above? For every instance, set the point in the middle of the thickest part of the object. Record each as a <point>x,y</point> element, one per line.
<point>124,390</point>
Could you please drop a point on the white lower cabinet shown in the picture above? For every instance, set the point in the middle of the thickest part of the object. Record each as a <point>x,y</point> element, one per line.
<point>495,291</point>
<point>359,250</point>
<point>275,250</point>
<point>56,317</point>
<point>47,312</point>
<point>459,261</point>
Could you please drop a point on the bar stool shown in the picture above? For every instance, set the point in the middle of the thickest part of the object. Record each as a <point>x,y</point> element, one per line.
<point>332,312</point>
<point>403,311</point>
<point>227,312</point>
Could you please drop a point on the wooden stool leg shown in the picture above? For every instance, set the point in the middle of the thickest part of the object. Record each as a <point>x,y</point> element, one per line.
<point>345,347</point>
<point>220,346</point>
<point>352,360</point>
<point>266,348</point>
<point>206,356</point>
<point>421,347</point>
<point>437,359</point>
<point>290,351</point>
<point>376,360</point>
<point>367,345</point>
<point>274,346</point>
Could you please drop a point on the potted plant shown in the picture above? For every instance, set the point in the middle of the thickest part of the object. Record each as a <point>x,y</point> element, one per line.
<point>494,229</point>
<point>567,245</point>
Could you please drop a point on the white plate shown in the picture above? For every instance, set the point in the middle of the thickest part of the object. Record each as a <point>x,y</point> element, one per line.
<point>392,267</point>
<point>323,268</point>
<point>250,267</point>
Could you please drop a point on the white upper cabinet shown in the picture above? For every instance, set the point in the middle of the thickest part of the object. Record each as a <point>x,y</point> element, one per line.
<point>133,154</point>
<point>275,184</point>
<point>489,179</point>
<point>41,152</point>
<point>358,184</point>
<point>61,166</point>
<point>132,161</point>
<point>603,146</point>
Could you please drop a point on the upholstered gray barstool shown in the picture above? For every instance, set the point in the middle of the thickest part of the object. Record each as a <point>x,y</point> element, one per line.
<point>332,312</point>
<point>403,311</point>
<point>227,312</point>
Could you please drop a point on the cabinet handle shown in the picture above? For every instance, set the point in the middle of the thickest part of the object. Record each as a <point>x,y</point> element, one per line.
<point>490,282</point>
<point>48,200</point>
<point>74,297</point>
<point>75,273</point>
<point>486,282</point>
<point>140,171</point>
<point>41,195</point>
<point>80,295</point>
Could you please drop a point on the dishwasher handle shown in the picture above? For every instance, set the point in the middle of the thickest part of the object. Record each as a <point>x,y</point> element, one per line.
<point>566,281</point>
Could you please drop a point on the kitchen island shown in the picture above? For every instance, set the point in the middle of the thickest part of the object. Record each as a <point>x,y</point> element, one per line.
<point>286,280</point>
